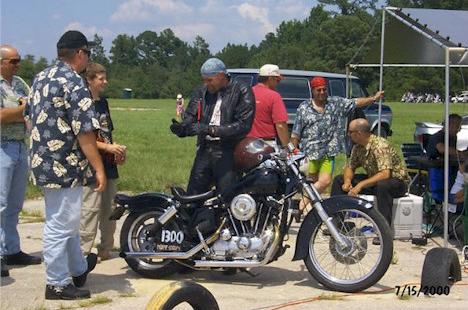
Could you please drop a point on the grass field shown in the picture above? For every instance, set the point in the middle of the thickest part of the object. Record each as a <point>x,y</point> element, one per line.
<point>157,159</point>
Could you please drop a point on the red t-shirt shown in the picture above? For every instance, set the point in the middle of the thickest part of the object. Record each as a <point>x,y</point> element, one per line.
<point>269,110</point>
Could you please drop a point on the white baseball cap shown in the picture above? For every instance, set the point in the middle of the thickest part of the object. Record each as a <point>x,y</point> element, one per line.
<point>179,96</point>
<point>269,70</point>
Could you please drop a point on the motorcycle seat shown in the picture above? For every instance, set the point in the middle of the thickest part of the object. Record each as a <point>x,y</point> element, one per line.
<point>181,196</point>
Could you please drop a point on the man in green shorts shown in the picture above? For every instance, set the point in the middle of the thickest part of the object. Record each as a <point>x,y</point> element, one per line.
<point>319,131</point>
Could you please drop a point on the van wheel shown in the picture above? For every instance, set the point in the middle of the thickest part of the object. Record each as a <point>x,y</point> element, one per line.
<point>383,132</point>
<point>181,292</point>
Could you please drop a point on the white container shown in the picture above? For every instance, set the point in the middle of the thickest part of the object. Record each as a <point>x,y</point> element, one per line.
<point>406,216</point>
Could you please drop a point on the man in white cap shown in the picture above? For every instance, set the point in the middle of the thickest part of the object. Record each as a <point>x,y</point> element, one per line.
<point>270,122</point>
<point>220,113</point>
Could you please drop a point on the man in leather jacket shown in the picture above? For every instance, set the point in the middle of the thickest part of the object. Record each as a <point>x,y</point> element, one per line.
<point>220,113</point>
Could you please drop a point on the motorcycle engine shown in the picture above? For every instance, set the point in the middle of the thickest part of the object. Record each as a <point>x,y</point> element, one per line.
<point>243,207</point>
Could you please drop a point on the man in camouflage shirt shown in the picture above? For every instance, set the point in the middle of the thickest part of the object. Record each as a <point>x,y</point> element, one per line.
<point>319,130</point>
<point>62,141</point>
<point>386,176</point>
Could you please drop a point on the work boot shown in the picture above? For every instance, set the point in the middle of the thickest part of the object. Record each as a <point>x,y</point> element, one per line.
<point>5,272</point>
<point>22,258</point>
<point>68,292</point>
<point>80,280</point>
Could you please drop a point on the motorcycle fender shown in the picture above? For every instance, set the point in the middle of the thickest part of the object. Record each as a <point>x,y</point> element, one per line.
<point>332,204</point>
<point>142,203</point>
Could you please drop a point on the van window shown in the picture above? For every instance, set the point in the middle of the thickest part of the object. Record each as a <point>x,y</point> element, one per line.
<point>244,79</point>
<point>356,90</point>
<point>337,88</point>
<point>294,88</point>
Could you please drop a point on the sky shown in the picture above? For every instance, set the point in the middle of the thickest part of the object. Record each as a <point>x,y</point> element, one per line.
<point>34,26</point>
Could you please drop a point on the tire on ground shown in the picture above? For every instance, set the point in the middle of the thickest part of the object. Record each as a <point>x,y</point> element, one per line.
<point>441,268</point>
<point>179,292</point>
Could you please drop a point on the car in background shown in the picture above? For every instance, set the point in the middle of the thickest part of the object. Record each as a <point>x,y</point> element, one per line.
<point>424,130</point>
<point>295,88</point>
<point>463,97</point>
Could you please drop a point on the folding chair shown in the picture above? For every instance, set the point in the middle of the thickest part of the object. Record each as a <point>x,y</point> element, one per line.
<point>411,153</point>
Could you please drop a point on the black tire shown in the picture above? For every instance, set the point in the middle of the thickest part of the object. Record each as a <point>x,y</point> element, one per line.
<point>361,243</point>
<point>383,132</point>
<point>132,228</point>
<point>441,268</point>
<point>183,291</point>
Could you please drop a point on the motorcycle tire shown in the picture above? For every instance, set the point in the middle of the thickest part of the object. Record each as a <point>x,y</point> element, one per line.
<point>144,267</point>
<point>375,274</point>
<point>176,293</point>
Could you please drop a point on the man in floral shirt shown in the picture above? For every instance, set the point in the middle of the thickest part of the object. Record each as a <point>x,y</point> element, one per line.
<point>62,141</point>
<point>319,130</point>
<point>386,175</point>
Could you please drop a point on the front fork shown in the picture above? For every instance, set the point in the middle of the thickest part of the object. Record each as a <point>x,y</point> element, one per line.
<point>317,203</point>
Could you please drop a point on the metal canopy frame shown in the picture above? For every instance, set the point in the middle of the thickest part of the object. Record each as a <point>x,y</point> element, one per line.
<point>449,49</point>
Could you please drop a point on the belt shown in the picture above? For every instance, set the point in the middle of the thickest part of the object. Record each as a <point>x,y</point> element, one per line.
<point>6,139</point>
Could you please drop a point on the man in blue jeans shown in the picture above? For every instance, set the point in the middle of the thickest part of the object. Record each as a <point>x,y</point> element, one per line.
<point>13,159</point>
<point>63,141</point>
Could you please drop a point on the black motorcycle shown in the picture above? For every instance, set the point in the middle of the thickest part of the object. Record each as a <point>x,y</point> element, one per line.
<point>335,240</point>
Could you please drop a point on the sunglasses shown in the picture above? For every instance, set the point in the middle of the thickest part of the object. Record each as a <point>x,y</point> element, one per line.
<point>13,61</point>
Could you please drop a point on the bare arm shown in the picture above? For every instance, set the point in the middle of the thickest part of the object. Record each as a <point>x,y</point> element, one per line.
<point>114,148</point>
<point>283,133</point>
<point>88,145</point>
<point>441,149</point>
<point>363,101</point>
<point>12,115</point>
<point>348,175</point>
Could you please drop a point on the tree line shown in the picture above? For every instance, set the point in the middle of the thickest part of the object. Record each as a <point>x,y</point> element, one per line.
<point>160,65</point>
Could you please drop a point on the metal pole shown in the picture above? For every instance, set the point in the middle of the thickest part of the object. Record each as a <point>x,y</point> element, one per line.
<point>347,82</point>
<point>446,144</point>
<point>382,44</point>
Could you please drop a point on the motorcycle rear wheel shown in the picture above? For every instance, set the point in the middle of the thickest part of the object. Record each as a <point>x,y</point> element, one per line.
<point>359,266</point>
<point>132,240</point>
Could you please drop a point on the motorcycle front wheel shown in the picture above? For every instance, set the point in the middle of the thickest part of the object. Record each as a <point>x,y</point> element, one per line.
<point>133,238</point>
<point>362,262</point>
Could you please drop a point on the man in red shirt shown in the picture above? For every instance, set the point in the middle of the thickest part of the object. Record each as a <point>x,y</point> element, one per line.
<point>270,112</point>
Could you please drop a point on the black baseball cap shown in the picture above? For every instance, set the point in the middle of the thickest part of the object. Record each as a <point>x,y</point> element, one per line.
<point>74,39</point>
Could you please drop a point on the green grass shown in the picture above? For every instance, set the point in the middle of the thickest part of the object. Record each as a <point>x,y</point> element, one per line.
<point>157,159</point>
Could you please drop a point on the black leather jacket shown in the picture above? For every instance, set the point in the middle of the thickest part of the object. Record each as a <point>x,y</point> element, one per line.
<point>237,113</point>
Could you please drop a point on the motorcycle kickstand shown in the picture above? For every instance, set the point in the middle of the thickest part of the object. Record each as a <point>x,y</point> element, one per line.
<point>250,273</point>
<point>206,249</point>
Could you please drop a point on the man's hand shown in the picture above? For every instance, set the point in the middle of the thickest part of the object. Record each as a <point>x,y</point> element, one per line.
<point>378,95</point>
<point>346,187</point>
<point>354,191</point>
<point>116,149</point>
<point>101,181</point>
<point>177,128</point>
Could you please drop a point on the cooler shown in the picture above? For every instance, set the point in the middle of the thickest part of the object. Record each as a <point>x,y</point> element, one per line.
<point>407,215</point>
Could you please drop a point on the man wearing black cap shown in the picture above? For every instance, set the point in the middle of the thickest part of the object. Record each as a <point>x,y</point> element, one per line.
<point>221,113</point>
<point>62,143</point>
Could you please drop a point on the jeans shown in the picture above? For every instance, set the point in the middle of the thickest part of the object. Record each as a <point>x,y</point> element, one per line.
<point>62,253</point>
<point>384,190</point>
<point>13,179</point>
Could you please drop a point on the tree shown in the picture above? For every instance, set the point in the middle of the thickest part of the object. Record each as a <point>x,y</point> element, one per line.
<point>98,53</point>
<point>351,7</point>
<point>124,50</point>
<point>235,55</point>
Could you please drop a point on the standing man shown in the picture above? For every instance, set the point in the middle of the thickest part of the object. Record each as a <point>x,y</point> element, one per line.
<point>319,130</point>
<point>386,175</point>
<point>270,122</point>
<point>220,113</point>
<point>63,140</point>
<point>13,159</point>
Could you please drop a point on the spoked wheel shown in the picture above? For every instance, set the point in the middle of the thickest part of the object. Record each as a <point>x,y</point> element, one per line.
<point>134,238</point>
<point>364,259</point>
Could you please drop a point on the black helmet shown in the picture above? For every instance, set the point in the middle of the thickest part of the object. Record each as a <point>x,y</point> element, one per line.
<point>247,151</point>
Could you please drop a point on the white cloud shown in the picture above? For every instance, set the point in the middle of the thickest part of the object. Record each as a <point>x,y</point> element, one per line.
<point>89,31</point>
<point>292,9</point>
<point>188,32</point>
<point>141,10</point>
<point>56,16</point>
<point>257,14</point>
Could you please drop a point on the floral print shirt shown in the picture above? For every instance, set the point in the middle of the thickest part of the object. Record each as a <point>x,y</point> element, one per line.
<point>376,156</point>
<point>59,109</point>
<point>322,134</point>
<point>9,95</point>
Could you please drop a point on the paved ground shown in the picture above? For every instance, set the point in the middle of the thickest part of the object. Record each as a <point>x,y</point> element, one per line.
<point>282,285</point>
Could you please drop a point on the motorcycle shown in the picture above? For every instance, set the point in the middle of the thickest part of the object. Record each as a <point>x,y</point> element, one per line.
<point>253,219</point>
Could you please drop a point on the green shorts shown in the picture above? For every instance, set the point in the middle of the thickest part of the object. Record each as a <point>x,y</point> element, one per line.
<point>325,165</point>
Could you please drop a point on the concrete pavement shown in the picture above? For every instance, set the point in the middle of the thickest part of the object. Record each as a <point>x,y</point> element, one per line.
<point>283,284</point>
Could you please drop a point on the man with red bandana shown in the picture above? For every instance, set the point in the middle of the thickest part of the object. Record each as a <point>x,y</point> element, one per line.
<point>319,130</point>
